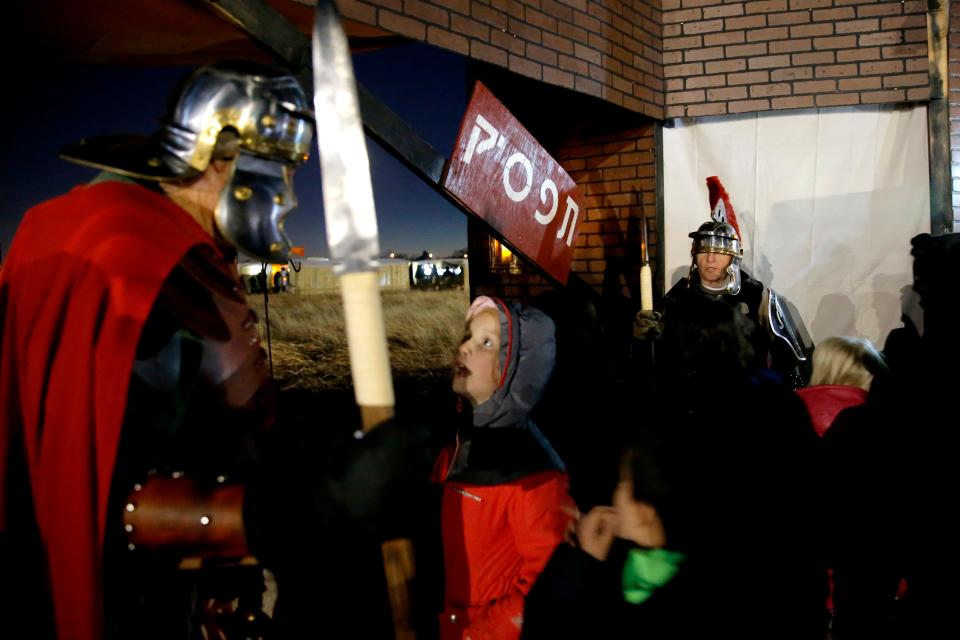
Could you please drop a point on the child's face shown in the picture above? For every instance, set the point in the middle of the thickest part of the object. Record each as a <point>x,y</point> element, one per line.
<point>476,371</point>
<point>637,521</point>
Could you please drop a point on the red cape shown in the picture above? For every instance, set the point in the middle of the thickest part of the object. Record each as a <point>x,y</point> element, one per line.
<point>81,277</point>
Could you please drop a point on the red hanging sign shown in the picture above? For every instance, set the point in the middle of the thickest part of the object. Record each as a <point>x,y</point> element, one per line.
<point>502,174</point>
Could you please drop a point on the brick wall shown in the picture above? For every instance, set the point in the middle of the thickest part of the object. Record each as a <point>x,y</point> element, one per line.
<point>616,171</point>
<point>609,49</point>
<point>674,58</point>
<point>733,57</point>
<point>522,286</point>
<point>954,97</point>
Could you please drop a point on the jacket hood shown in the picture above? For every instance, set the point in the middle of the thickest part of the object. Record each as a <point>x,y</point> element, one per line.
<point>528,353</point>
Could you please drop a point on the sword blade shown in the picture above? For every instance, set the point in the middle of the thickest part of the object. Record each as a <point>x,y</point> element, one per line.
<point>644,243</point>
<point>345,167</point>
<point>350,216</point>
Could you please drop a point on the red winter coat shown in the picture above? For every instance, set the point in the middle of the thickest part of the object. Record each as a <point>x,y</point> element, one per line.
<point>503,508</point>
<point>496,541</point>
<point>825,401</point>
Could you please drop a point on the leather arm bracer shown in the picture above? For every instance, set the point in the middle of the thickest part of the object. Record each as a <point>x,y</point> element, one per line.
<point>173,513</point>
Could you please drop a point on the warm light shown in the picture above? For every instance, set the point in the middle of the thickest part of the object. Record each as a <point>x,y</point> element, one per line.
<point>393,255</point>
<point>502,258</point>
<point>430,254</point>
<point>464,255</point>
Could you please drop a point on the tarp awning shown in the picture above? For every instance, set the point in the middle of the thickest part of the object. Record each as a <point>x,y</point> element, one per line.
<point>151,32</point>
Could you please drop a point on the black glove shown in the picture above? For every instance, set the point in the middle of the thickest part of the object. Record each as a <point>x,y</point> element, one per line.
<point>300,497</point>
<point>378,471</point>
<point>648,325</point>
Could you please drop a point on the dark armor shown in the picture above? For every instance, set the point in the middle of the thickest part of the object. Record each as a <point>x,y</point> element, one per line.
<point>765,323</point>
<point>199,396</point>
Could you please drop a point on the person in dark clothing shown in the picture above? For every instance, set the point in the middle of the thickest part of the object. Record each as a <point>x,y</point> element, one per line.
<point>893,475</point>
<point>715,274</point>
<point>736,506</point>
<point>280,280</point>
<point>572,398</point>
<point>620,575</point>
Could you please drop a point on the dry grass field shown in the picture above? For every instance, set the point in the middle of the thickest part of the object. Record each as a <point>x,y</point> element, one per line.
<point>310,346</point>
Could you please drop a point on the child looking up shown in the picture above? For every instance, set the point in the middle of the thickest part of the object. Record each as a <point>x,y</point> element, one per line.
<point>505,502</point>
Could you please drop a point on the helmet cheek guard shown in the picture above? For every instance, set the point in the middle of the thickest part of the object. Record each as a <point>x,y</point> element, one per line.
<point>252,206</point>
<point>733,283</point>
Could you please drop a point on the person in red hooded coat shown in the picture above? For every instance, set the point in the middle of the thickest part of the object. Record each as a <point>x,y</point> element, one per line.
<point>505,504</point>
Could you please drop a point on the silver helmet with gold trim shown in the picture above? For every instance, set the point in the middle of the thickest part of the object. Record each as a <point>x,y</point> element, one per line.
<point>267,116</point>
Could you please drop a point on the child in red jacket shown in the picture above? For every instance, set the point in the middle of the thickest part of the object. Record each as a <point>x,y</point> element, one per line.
<point>843,370</point>
<point>505,503</point>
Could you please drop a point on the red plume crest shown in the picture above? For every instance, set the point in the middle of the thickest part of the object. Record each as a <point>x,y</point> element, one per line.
<point>720,208</point>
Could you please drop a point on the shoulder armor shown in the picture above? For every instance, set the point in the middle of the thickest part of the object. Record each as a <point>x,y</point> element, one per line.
<point>778,321</point>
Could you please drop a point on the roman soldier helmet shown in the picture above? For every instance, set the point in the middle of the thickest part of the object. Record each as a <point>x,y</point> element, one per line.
<point>268,113</point>
<point>720,234</point>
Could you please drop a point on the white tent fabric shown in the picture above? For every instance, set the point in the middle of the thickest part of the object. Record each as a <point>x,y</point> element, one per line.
<point>827,201</point>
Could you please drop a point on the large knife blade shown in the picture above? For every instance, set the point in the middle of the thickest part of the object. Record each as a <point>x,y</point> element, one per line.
<point>352,237</point>
<point>350,215</point>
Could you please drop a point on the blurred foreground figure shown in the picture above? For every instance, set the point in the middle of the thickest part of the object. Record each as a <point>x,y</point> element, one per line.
<point>893,473</point>
<point>715,528</point>
<point>134,397</point>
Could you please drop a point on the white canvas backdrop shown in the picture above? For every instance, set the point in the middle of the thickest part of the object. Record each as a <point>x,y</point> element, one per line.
<point>827,202</point>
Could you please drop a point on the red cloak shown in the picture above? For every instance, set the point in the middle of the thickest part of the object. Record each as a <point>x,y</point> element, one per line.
<point>81,277</point>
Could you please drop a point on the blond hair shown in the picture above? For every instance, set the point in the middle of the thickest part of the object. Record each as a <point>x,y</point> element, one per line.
<point>846,360</point>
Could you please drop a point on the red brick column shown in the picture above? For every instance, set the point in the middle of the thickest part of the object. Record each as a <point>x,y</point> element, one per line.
<point>616,171</point>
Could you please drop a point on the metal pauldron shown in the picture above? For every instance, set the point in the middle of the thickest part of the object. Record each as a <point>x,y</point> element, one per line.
<point>777,319</point>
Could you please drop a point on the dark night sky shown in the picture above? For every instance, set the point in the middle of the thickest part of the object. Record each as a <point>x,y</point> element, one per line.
<point>55,106</point>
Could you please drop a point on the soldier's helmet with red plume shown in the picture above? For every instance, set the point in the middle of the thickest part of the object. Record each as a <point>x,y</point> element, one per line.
<point>720,234</point>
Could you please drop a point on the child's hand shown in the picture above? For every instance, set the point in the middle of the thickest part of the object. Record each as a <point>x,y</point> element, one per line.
<point>596,530</point>
<point>570,533</point>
